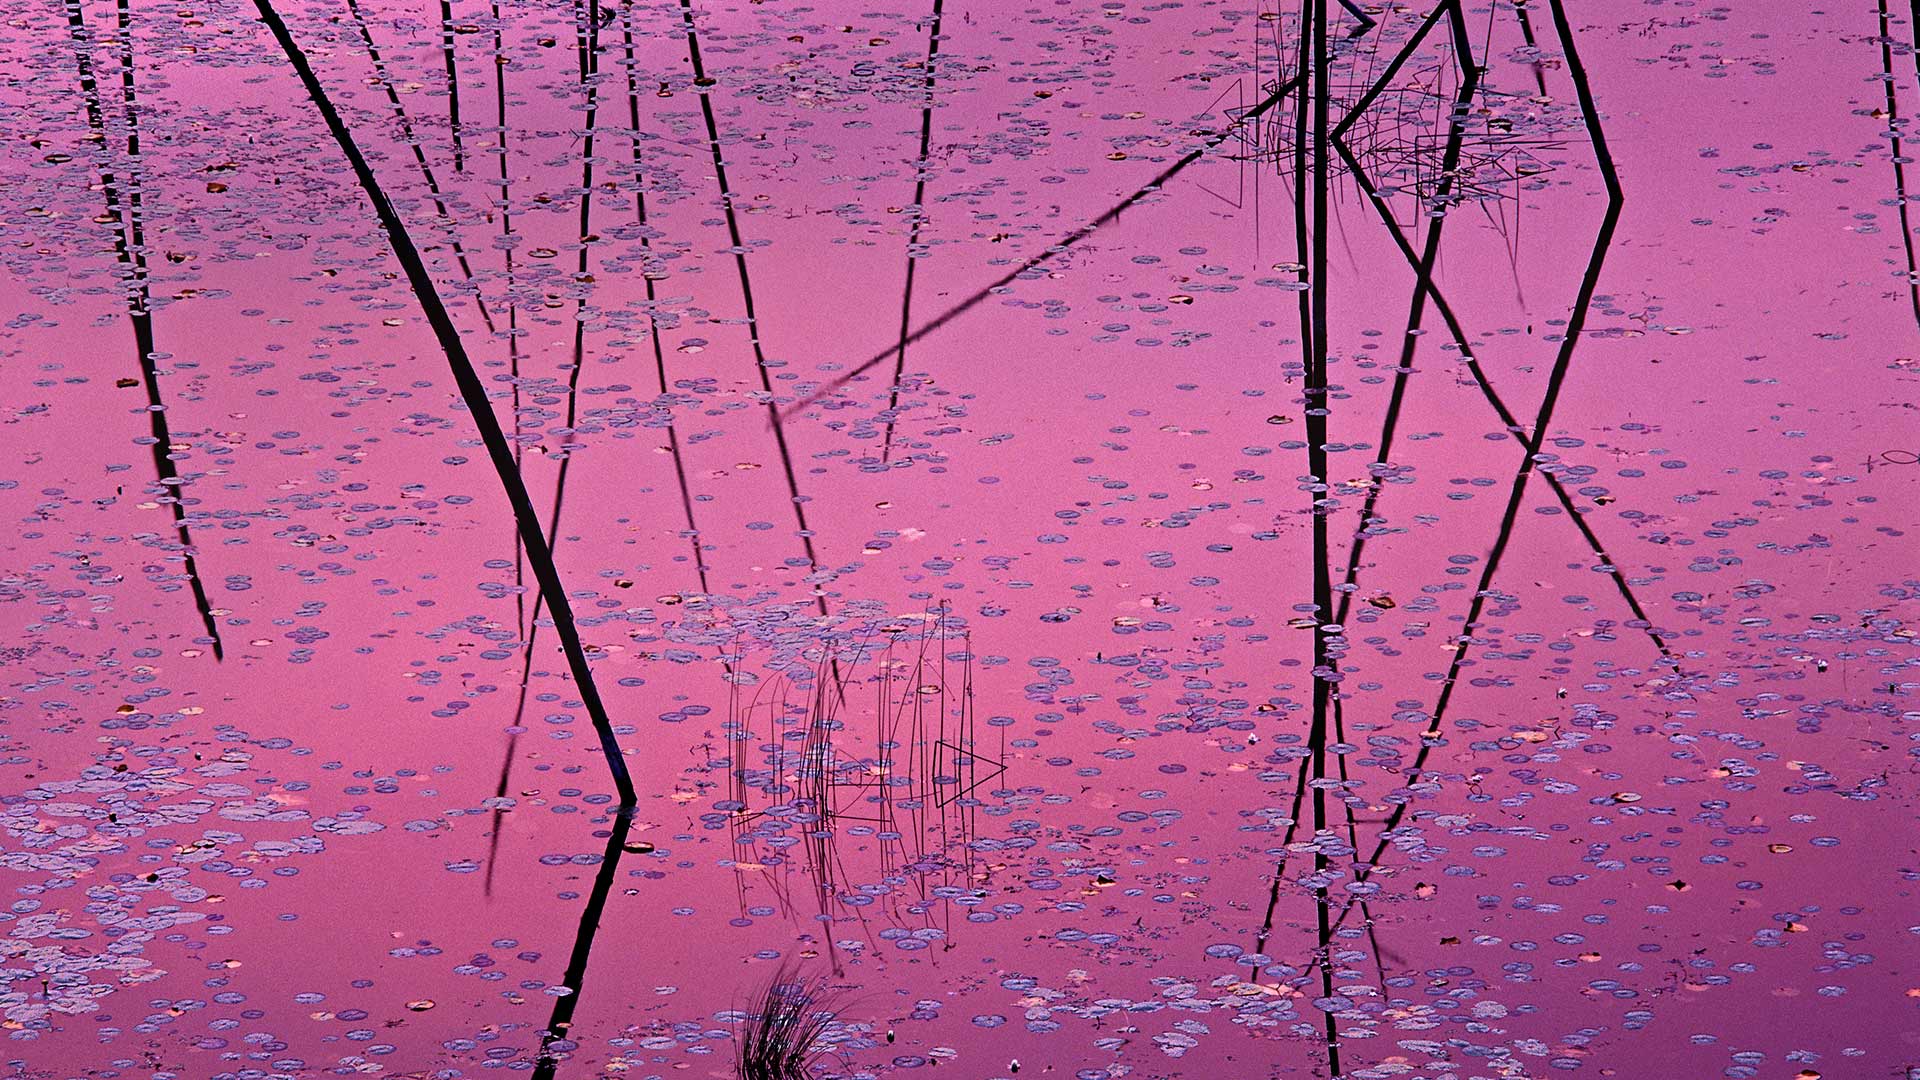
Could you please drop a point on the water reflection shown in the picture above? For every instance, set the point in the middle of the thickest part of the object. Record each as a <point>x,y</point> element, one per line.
<point>1115,539</point>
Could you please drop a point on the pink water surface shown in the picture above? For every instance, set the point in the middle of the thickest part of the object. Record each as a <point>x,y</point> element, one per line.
<point>1617,864</point>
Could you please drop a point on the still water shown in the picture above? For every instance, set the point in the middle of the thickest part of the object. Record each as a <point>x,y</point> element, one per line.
<point>1080,539</point>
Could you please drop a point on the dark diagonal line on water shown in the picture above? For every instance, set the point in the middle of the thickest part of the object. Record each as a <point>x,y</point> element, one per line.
<point>703,87</point>
<point>1427,285</point>
<point>587,30</point>
<point>474,395</point>
<point>1054,250</point>
<point>555,1042</point>
<point>129,245</point>
<point>420,162</point>
<point>1543,420</point>
<point>919,212</point>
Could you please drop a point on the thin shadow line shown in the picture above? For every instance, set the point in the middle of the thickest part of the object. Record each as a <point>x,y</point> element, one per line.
<point>1366,100</point>
<point>129,245</point>
<point>1469,84</point>
<point>453,85</point>
<point>703,87</point>
<point>1317,406</point>
<point>1576,322</point>
<point>588,44</point>
<point>419,155</point>
<point>554,1041</point>
<point>1057,248</point>
<point>647,278</point>
<point>474,395</point>
<point>1526,30</point>
<point>1597,256</point>
<point>1431,289</point>
<point>673,438</point>
<point>919,211</point>
<point>1899,165</point>
<point>520,623</point>
<point>1300,781</point>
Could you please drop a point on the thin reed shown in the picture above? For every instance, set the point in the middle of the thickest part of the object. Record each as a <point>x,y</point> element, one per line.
<point>781,1039</point>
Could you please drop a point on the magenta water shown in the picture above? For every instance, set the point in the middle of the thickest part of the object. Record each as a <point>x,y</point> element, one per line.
<point>1111,539</point>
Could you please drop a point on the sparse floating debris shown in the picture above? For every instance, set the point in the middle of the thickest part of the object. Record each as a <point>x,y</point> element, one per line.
<point>1101,661</point>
